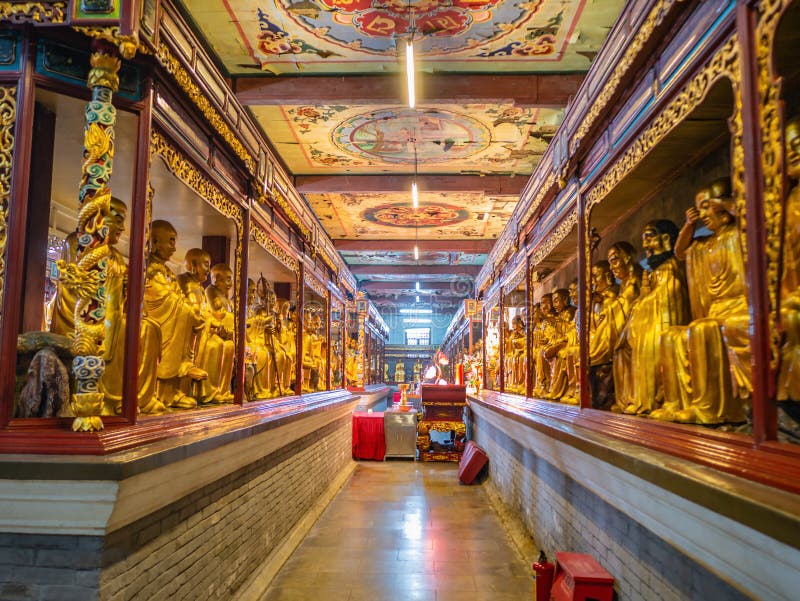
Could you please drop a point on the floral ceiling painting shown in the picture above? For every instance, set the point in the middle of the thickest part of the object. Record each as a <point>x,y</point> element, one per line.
<point>472,138</point>
<point>377,257</point>
<point>374,216</point>
<point>336,36</point>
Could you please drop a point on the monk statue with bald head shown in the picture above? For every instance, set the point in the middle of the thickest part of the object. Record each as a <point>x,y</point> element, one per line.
<point>178,319</point>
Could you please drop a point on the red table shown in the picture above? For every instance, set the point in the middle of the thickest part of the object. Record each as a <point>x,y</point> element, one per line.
<point>368,436</point>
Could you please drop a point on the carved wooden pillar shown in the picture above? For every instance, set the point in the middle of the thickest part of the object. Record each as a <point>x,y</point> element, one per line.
<point>87,277</point>
<point>584,290</point>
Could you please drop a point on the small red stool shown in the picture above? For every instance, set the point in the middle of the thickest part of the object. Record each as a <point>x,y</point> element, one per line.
<point>579,577</point>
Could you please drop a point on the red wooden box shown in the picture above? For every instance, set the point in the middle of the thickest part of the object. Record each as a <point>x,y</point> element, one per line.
<point>472,462</point>
<point>579,577</point>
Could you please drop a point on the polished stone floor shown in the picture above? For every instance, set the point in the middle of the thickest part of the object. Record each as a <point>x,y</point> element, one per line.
<point>404,531</point>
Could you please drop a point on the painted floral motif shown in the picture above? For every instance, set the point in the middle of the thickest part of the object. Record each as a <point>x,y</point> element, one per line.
<point>272,40</point>
<point>539,41</point>
<point>306,116</point>
<point>427,215</point>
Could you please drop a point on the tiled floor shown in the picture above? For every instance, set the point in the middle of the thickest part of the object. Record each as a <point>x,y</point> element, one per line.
<point>404,531</point>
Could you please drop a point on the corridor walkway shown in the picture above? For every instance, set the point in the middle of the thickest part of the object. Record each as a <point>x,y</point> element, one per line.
<point>403,531</point>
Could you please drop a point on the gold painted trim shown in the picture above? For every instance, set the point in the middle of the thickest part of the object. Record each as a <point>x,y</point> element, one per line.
<point>268,244</point>
<point>184,79</point>
<point>37,12</point>
<point>554,239</point>
<point>128,45</point>
<point>599,104</point>
<point>8,119</point>
<point>315,284</point>
<point>725,63</point>
<point>288,209</point>
<point>769,85</point>
<point>544,188</point>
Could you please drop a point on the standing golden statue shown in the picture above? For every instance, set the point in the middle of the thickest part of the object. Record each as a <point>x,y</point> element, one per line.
<point>706,365</point>
<point>637,366</point>
<point>177,319</point>
<point>557,352</point>
<point>400,373</point>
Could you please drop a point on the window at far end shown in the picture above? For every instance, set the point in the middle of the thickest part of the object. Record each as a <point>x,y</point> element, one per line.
<point>418,336</point>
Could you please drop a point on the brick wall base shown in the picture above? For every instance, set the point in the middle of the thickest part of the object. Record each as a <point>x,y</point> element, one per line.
<point>562,515</point>
<point>203,546</point>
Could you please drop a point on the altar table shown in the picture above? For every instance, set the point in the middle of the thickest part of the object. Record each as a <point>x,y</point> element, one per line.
<point>369,441</point>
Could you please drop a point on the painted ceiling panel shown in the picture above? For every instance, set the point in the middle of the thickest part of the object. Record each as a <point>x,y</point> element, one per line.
<point>440,216</point>
<point>362,36</point>
<point>363,257</point>
<point>474,138</point>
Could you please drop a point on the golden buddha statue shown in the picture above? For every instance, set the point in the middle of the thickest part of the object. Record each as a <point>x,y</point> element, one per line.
<point>63,319</point>
<point>417,370</point>
<point>555,353</point>
<point>111,382</point>
<point>197,263</point>
<point>664,304</point>
<point>351,363</point>
<point>313,359</point>
<point>177,319</point>
<point>286,335</point>
<point>269,351</point>
<point>789,373</point>
<point>517,354</point>
<point>220,348</point>
<point>546,332</point>
<point>572,350</point>
<point>706,365</point>
<point>400,373</point>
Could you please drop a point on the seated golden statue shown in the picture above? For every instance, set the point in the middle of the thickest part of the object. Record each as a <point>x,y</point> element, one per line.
<point>517,356</point>
<point>313,360</point>
<point>665,304</point>
<point>572,351</point>
<point>706,365</point>
<point>545,330</point>
<point>111,382</point>
<point>351,364</point>
<point>400,373</point>
<point>220,348</point>
<point>177,319</point>
<point>286,336</point>
<point>555,353</point>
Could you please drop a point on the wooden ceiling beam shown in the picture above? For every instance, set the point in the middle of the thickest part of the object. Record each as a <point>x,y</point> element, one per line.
<point>539,90</point>
<point>476,246</point>
<point>454,288</point>
<point>492,185</point>
<point>379,270</point>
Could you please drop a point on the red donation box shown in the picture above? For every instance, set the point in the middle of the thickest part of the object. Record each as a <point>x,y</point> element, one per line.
<point>579,577</point>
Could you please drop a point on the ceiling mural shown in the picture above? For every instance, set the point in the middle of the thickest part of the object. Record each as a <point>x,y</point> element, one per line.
<point>349,36</point>
<point>473,138</point>
<point>376,257</point>
<point>441,216</point>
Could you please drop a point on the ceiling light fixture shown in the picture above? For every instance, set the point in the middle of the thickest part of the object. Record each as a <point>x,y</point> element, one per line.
<point>412,311</point>
<point>416,320</point>
<point>414,193</point>
<point>417,286</point>
<point>410,73</point>
<point>416,252</point>
<point>417,299</point>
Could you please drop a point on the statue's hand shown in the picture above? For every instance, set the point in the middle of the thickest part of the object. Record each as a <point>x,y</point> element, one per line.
<point>692,215</point>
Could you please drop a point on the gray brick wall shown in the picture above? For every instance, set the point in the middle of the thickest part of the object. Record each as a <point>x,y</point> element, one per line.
<point>563,515</point>
<point>51,567</point>
<point>204,546</point>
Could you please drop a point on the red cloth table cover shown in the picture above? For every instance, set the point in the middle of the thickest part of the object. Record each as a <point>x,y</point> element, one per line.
<point>369,441</point>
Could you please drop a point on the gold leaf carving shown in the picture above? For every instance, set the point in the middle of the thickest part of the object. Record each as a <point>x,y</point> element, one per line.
<point>272,247</point>
<point>37,12</point>
<point>184,79</point>
<point>725,63</point>
<point>8,117</point>
<point>600,104</point>
<point>769,94</point>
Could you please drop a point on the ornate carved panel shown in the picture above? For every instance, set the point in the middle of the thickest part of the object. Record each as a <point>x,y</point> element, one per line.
<point>8,117</point>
